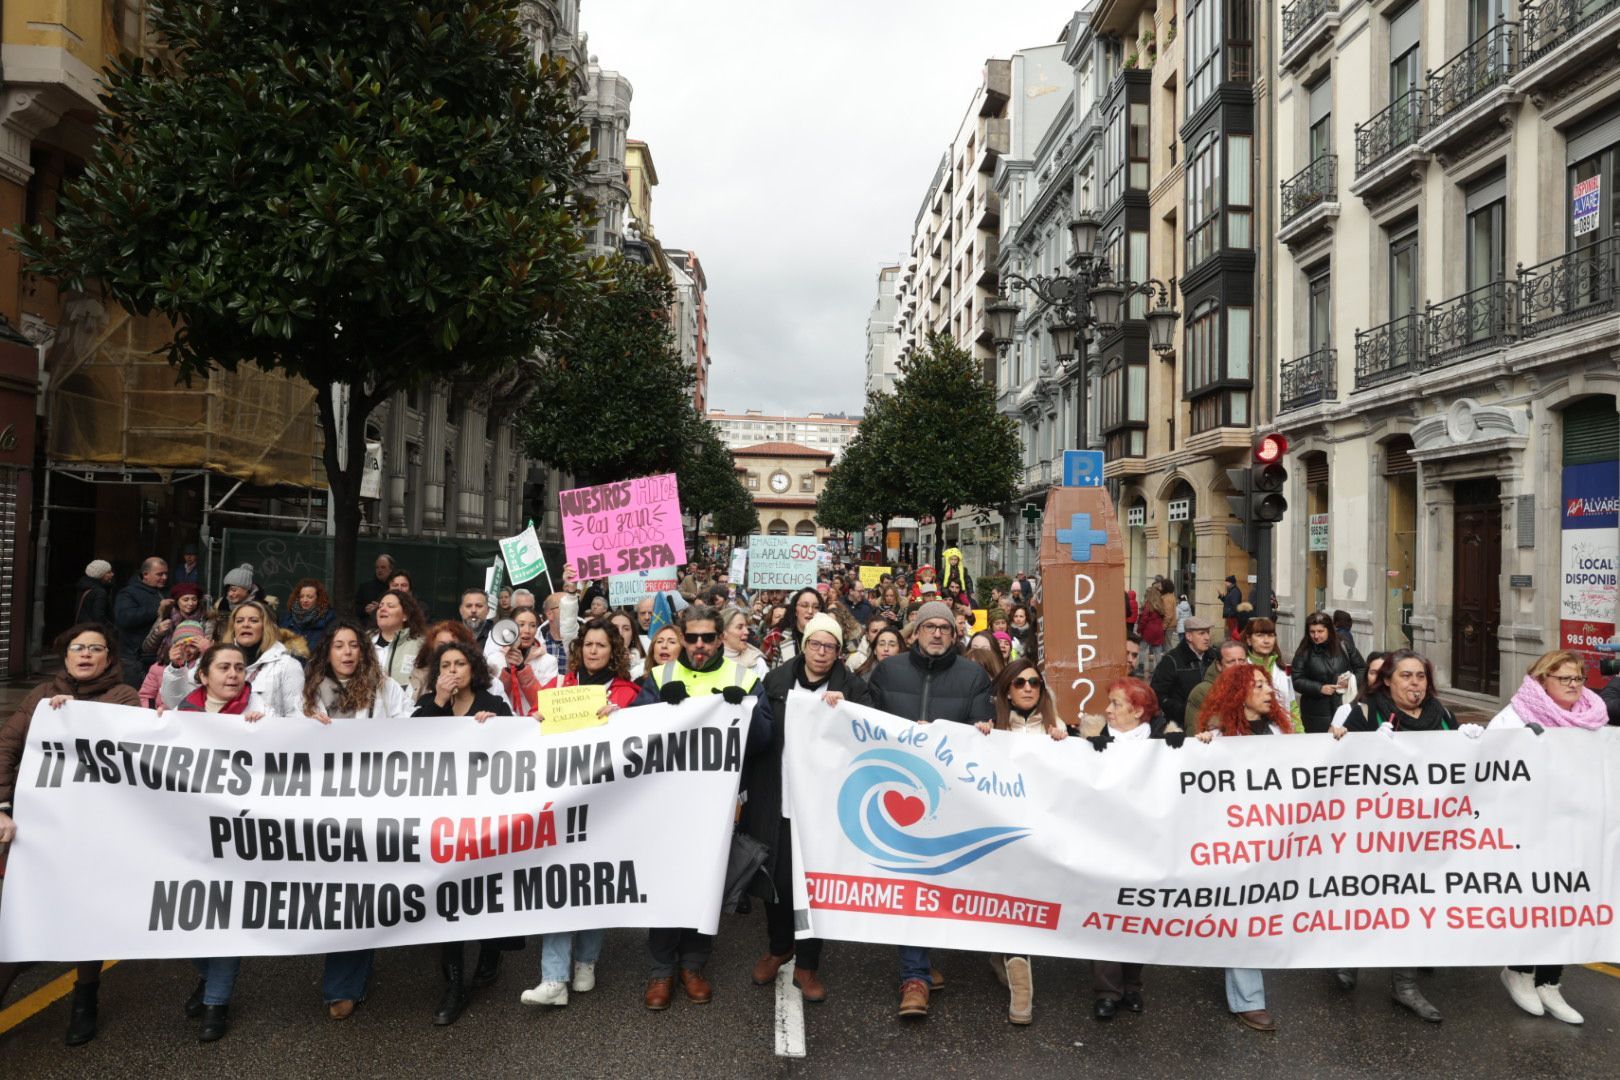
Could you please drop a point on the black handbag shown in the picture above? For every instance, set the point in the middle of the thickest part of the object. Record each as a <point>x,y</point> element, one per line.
<point>745,871</point>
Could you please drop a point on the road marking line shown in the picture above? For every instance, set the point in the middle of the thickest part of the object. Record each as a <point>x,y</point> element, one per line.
<point>789,1014</point>
<point>1606,969</point>
<point>42,999</point>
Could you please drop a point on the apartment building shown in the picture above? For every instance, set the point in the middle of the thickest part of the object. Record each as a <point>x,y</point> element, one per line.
<point>830,432</point>
<point>1447,272</point>
<point>882,334</point>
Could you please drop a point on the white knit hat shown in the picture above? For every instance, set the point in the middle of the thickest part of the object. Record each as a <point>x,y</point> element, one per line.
<point>97,568</point>
<point>822,623</point>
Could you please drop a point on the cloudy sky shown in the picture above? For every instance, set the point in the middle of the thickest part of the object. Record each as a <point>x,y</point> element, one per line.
<point>794,143</point>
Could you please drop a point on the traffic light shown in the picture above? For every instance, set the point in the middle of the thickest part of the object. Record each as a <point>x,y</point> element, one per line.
<point>1267,502</point>
<point>1242,533</point>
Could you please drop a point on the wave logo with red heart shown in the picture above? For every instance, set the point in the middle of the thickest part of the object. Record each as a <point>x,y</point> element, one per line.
<point>886,804</point>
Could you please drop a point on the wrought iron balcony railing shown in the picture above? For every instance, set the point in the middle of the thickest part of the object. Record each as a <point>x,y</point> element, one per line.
<point>1299,15</point>
<point>1484,64</point>
<point>1389,352</point>
<point>1551,24</point>
<point>1579,285</point>
<point>1318,182</point>
<point>1310,379</point>
<point>1393,129</point>
<point>1479,318</point>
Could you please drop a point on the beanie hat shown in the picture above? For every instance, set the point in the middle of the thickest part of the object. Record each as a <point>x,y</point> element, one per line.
<point>191,630</point>
<point>1002,635</point>
<point>97,568</point>
<point>241,576</point>
<point>936,609</point>
<point>822,623</point>
<point>185,588</point>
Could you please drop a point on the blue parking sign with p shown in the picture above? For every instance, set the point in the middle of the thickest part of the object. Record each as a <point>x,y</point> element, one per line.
<point>1082,468</point>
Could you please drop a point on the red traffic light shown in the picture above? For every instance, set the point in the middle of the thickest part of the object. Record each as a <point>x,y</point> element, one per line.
<point>1269,449</point>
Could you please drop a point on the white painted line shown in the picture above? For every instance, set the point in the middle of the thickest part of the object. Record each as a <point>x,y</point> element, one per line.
<point>789,1014</point>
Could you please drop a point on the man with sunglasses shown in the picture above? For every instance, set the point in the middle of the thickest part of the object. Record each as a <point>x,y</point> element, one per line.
<point>931,681</point>
<point>701,669</point>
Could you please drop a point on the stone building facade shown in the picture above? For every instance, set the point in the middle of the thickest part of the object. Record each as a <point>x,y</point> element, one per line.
<point>1447,276</point>
<point>784,479</point>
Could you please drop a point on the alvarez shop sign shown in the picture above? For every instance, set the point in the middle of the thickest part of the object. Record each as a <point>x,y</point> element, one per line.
<point>1258,852</point>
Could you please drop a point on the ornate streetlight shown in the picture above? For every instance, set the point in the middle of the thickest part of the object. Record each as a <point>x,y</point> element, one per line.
<point>1088,298</point>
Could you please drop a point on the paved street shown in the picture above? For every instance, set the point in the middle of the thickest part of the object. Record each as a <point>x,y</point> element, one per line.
<point>281,1030</point>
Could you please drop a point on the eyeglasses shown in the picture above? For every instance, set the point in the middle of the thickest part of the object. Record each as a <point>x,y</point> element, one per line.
<point>92,650</point>
<point>935,628</point>
<point>706,639</point>
<point>1030,681</point>
<point>1569,680</point>
<point>822,647</point>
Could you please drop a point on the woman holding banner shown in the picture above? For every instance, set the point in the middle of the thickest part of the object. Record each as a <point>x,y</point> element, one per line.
<point>1023,704</point>
<point>1553,694</point>
<point>461,688</point>
<point>1243,702</point>
<point>90,672</point>
<point>597,657</point>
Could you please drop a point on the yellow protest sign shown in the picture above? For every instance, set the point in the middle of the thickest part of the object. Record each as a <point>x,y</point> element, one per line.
<point>871,575</point>
<point>569,708</point>
<point>981,619</point>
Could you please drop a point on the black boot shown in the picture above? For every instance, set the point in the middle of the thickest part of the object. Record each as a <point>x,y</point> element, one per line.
<point>82,1023</point>
<point>455,995</point>
<point>489,966</point>
<point>194,1003</point>
<point>216,1021</point>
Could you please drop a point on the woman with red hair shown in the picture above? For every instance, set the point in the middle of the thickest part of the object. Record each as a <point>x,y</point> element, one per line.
<point>1243,702</point>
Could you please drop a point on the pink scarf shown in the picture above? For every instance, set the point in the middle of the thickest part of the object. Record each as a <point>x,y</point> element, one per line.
<point>1534,706</point>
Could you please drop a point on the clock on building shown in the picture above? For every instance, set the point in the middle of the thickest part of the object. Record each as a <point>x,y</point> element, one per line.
<point>780,481</point>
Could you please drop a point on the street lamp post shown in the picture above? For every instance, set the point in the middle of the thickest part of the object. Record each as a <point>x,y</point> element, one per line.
<point>1088,298</point>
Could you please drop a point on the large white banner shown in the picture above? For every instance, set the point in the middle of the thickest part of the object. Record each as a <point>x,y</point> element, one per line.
<point>196,834</point>
<point>1286,851</point>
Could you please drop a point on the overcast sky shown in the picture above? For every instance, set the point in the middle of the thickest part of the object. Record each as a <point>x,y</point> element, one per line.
<point>794,143</point>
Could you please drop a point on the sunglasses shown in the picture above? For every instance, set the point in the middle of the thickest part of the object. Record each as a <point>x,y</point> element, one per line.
<point>1029,681</point>
<point>706,639</point>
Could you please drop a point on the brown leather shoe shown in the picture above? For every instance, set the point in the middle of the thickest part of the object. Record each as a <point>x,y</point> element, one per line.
<point>696,986</point>
<point>340,1010</point>
<point>936,979</point>
<point>913,999</point>
<point>809,985</point>
<point>767,967</point>
<point>1258,1019</point>
<point>659,991</point>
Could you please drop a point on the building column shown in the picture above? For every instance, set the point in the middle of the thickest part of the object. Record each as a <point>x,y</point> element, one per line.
<point>470,462</point>
<point>1431,607</point>
<point>394,464</point>
<point>434,441</point>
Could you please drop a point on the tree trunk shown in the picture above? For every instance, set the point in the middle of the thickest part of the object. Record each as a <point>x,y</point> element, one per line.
<point>344,486</point>
<point>939,542</point>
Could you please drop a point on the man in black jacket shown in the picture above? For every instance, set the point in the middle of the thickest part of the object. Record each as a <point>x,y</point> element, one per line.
<point>1230,599</point>
<point>1183,667</point>
<point>135,610</point>
<point>818,669</point>
<point>931,681</point>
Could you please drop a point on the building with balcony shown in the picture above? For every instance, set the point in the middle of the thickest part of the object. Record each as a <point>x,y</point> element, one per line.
<point>883,334</point>
<point>950,273</point>
<point>1446,316</point>
<point>690,319</point>
<point>785,480</point>
<point>830,432</point>
<point>605,111</point>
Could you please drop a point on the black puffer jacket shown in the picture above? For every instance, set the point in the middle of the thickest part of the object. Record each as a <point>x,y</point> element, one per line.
<point>921,687</point>
<point>1178,672</point>
<point>762,779</point>
<point>1316,666</point>
<point>93,602</point>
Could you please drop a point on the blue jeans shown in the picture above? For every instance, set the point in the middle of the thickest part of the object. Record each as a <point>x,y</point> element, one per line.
<point>219,974</point>
<point>587,946</point>
<point>344,976</point>
<point>1245,989</point>
<point>913,963</point>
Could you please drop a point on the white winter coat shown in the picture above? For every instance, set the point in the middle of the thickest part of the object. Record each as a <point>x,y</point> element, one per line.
<point>277,676</point>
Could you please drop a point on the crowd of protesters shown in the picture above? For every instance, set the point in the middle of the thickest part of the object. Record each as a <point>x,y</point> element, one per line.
<point>925,645</point>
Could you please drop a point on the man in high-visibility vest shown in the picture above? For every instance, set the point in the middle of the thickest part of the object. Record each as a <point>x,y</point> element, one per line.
<point>702,669</point>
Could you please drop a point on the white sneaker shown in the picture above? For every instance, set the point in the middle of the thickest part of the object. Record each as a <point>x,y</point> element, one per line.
<point>584,978</point>
<point>547,993</point>
<point>1553,998</point>
<point>1521,987</point>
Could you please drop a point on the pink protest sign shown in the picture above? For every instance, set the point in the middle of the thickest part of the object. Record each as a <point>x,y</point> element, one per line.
<point>624,527</point>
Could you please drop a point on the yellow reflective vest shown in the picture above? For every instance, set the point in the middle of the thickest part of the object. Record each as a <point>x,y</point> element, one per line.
<point>729,673</point>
